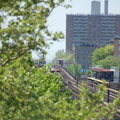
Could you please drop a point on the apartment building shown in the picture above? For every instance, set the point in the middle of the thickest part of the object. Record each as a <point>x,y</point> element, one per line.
<point>97,29</point>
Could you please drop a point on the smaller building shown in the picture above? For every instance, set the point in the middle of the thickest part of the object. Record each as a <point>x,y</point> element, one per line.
<point>83,54</point>
<point>63,62</point>
<point>111,74</point>
<point>117,46</point>
<point>104,74</point>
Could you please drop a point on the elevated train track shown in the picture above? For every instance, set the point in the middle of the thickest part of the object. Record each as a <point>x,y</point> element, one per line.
<point>92,84</point>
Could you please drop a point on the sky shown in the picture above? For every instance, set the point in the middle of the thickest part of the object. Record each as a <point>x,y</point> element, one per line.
<point>57,20</point>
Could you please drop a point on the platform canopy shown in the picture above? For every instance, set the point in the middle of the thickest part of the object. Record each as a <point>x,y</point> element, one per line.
<point>60,59</point>
<point>101,70</point>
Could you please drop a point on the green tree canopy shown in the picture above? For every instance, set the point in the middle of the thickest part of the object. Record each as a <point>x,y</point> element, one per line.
<point>29,93</point>
<point>107,63</point>
<point>104,56</point>
<point>23,27</point>
<point>75,69</point>
<point>89,73</point>
<point>61,54</point>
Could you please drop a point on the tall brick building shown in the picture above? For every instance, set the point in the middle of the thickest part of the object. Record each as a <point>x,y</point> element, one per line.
<point>92,29</point>
<point>117,46</point>
<point>97,29</point>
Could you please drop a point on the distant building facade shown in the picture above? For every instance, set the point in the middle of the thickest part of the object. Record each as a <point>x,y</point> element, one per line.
<point>97,29</point>
<point>92,29</point>
<point>83,54</point>
<point>117,46</point>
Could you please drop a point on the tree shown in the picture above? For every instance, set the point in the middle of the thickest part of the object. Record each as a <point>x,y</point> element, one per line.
<point>70,58</point>
<point>92,106</point>
<point>61,54</point>
<point>26,29</point>
<point>89,73</point>
<point>27,92</point>
<point>107,63</point>
<point>75,69</point>
<point>104,56</point>
<point>31,93</point>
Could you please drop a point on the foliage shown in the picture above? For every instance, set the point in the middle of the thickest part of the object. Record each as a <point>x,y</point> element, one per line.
<point>104,56</point>
<point>29,93</point>
<point>107,63</point>
<point>75,69</point>
<point>92,106</point>
<point>70,58</point>
<point>23,27</point>
<point>89,73</point>
<point>61,54</point>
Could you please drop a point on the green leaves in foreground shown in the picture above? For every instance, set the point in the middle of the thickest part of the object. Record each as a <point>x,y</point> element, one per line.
<point>24,27</point>
<point>29,93</point>
<point>93,106</point>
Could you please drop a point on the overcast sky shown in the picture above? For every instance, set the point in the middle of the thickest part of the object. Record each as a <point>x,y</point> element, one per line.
<point>57,20</point>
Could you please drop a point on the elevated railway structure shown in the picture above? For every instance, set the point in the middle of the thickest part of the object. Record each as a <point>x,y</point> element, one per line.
<point>92,83</point>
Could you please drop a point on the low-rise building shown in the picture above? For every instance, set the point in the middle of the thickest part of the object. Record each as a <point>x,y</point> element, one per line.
<point>83,54</point>
<point>117,46</point>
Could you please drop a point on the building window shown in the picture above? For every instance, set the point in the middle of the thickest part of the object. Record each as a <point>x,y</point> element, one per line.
<point>89,61</point>
<point>119,41</point>
<point>118,48</point>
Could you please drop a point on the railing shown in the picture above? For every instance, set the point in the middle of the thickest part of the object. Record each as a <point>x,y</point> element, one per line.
<point>92,84</point>
<point>111,93</point>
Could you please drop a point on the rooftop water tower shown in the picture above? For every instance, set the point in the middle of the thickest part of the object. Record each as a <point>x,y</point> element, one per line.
<point>95,7</point>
